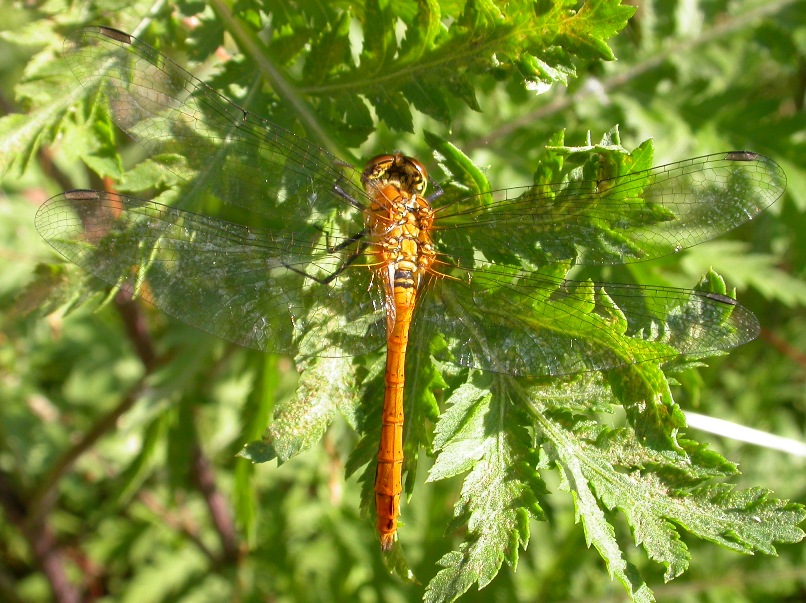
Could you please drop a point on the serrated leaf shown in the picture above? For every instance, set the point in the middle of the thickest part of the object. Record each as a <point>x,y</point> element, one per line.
<point>331,48</point>
<point>482,433</point>
<point>568,457</point>
<point>21,136</point>
<point>596,21</point>
<point>393,109</point>
<point>323,389</point>
<point>654,505</point>
<point>436,63</point>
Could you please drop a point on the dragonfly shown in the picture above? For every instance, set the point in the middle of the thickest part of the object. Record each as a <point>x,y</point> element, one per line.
<point>328,260</point>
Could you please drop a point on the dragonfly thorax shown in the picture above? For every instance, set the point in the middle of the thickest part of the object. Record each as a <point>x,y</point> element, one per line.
<point>399,224</point>
<point>399,219</point>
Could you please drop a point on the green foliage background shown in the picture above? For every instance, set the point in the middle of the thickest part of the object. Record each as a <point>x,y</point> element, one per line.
<point>119,427</point>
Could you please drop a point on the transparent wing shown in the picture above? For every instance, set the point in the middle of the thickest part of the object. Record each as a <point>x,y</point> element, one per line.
<point>258,288</point>
<point>267,288</point>
<point>540,325</point>
<point>238,157</point>
<point>248,161</point>
<point>637,216</point>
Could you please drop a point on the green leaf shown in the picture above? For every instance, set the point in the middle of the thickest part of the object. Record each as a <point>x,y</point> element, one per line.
<point>324,388</point>
<point>483,434</point>
<point>331,48</point>
<point>655,503</point>
<point>436,62</point>
<point>51,288</point>
<point>569,457</point>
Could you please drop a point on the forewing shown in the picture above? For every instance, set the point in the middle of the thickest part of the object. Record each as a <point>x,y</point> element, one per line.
<point>632,217</point>
<point>262,289</point>
<point>542,325</point>
<point>238,157</point>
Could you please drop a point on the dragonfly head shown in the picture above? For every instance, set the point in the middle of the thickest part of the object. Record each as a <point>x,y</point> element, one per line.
<point>406,173</point>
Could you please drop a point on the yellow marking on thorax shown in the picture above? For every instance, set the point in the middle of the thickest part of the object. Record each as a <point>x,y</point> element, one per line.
<point>399,225</point>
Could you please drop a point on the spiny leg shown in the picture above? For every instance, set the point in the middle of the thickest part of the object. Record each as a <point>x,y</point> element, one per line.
<point>344,265</point>
<point>346,243</point>
<point>342,193</point>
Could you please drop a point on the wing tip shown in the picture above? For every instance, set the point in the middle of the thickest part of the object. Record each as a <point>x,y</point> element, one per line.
<point>742,316</point>
<point>774,173</point>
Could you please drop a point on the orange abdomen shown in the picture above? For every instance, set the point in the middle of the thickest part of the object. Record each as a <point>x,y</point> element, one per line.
<point>388,477</point>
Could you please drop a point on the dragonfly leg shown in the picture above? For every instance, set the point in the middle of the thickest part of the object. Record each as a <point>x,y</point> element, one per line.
<point>346,243</point>
<point>339,270</point>
<point>358,252</point>
<point>343,193</point>
<point>438,191</point>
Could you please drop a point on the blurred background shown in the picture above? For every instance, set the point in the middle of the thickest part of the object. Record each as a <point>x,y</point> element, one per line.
<point>119,427</point>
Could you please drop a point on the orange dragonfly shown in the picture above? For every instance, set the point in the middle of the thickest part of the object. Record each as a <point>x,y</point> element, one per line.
<point>336,262</point>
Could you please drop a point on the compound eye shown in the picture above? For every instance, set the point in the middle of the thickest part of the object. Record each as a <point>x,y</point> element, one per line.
<point>419,167</point>
<point>379,163</point>
<point>376,168</point>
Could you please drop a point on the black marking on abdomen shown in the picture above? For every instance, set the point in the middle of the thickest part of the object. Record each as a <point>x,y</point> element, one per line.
<point>404,279</point>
